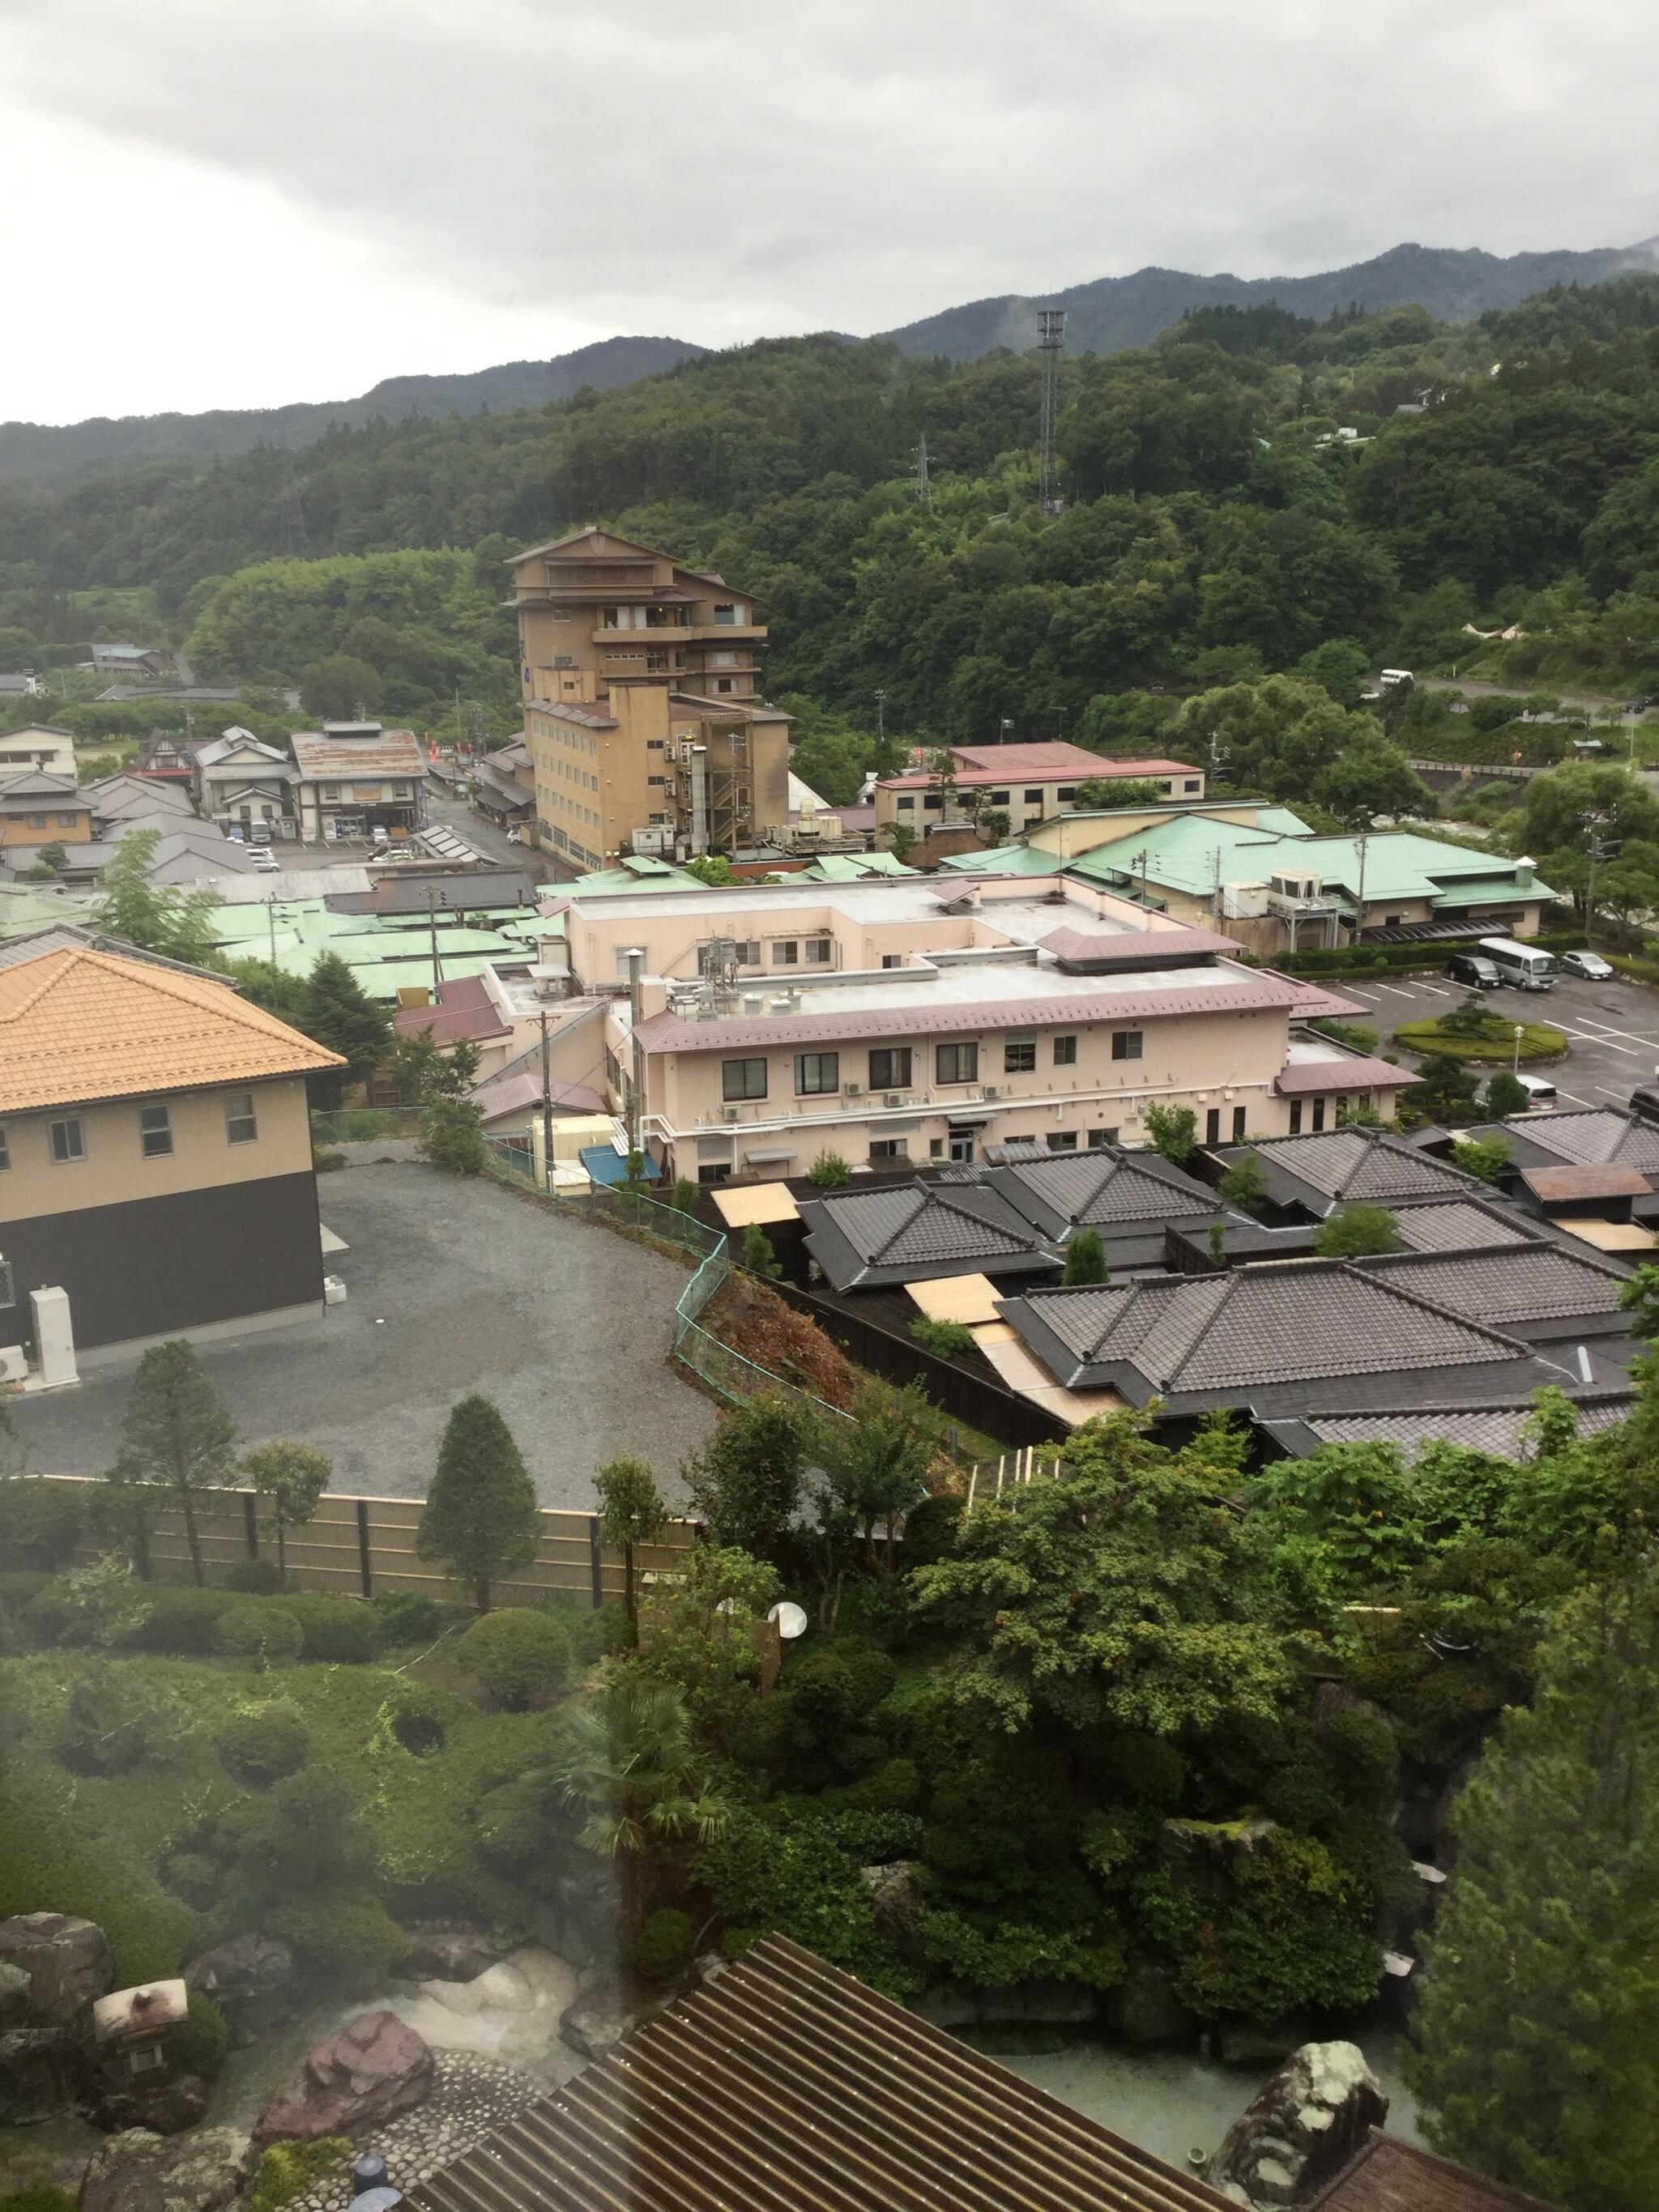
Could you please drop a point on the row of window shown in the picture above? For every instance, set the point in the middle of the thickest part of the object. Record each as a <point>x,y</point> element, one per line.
<point>890,1066</point>
<point>64,821</point>
<point>66,1140</point>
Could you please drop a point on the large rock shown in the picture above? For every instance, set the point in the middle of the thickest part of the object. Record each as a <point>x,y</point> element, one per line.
<point>251,1979</point>
<point>1262,2043</point>
<point>604,2015</point>
<point>67,1961</point>
<point>43,2072</point>
<point>459,1953</point>
<point>15,1986</point>
<point>896,1901</point>
<point>1305,2124</point>
<point>373,2069</point>
<point>1144,2007</point>
<point>161,2106</point>
<point>140,2172</point>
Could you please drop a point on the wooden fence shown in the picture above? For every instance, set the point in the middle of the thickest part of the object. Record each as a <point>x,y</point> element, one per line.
<point>365,1547</point>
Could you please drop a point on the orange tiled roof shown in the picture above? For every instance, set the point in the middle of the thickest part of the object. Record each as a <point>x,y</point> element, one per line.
<point>79,1025</point>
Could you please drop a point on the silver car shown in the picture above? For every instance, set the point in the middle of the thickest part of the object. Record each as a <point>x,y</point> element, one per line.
<point>1590,965</point>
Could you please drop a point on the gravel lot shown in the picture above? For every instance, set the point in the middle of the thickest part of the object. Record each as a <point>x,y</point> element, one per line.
<point>1611,1028</point>
<point>453,1287</point>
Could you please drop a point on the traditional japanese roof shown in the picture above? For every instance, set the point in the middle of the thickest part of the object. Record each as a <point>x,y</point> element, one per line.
<point>1560,1186</point>
<point>784,2085</point>
<point>1459,1225</point>
<point>1535,1281</point>
<point>77,1026</point>
<point>1060,1191</point>
<point>34,789</point>
<point>1389,2175</point>
<point>862,1238</point>
<point>1586,1137</point>
<point>1315,1079</point>
<point>1339,1165</point>
<point>1500,1430</point>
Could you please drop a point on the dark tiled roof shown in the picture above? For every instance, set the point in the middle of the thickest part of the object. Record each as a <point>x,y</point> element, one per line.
<point>1341,1165</point>
<point>1458,1225</point>
<point>1388,2175</point>
<point>784,2085</point>
<point>1533,1281</point>
<point>1099,1189</point>
<point>1589,1138</point>
<point>1285,1323</point>
<point>1499,1430</point>
<point>913,1231</point>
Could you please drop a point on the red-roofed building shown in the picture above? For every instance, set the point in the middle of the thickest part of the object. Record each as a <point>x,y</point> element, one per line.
<point>1028,783</point>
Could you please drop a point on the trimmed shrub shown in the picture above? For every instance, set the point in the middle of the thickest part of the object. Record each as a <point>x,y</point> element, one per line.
<point>945,1340</point>
<point>339,1631</point>
<point>181,1620</point>
<point>595,1631</point>
<point>260,1747</point>
<point>112,1724</point>
<point>254,1577</point>
<point>829,1172</point>
<point>511,1821</point>
<point>268,1634</point>
<point>516,1657</point>
<point>662,1949</point>
<point>40,1522</point>
<point>345,1934</point>
<point>289,2170</point>
<point>48,1617</point>
<point>199,2043</point>
<point>325,1162</point>
<point>407,1617</point>
<point>930,1531</point>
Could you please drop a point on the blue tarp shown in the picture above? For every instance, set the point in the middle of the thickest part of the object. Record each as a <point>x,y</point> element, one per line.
<point>605,1164</point>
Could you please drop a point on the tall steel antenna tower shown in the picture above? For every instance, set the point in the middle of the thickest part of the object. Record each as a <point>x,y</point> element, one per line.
<point>924,485</point>
<point>1051,344</point>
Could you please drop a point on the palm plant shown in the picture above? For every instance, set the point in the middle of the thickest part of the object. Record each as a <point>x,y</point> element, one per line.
<point>631,1763</point>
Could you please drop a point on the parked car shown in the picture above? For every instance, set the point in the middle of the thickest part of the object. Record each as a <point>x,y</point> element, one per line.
<point>1590,965</point>
<point>1644,1101</point>
<point>265,862</point>
<point>1474,968</point>
<point>1539,1092</point>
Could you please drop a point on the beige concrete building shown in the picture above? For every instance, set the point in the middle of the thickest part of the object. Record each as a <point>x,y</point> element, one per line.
<point>899,1020</point>
<point>1026,784</point>
<point>646,730</point>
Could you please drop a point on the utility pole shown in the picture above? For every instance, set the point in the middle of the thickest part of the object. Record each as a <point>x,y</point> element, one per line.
<point>1139,862</point>
<point>270,923</point>
<point>881,718</point>
<point>1359,900</point>
<point>924,482</point>
<point>1596,851</point>
<point>431,925</point>
<point>547,1109</point>
<point>1051,342</point>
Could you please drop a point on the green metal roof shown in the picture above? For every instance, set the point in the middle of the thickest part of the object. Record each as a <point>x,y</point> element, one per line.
<point>1003,860</point>
<point>847,867</point>
<point>635,876</point>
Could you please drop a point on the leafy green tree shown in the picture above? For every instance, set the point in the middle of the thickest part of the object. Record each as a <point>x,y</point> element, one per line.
<point>1173,1132</point>
<point>758,1256</point>
<point>1446,1090</point>
<point>901,839</point>
<point>177,1435</point>
<point>52,856</point>
<point>481,1517</point>
<point>1109,791</point>
<point>1356,1232</point>
<point>340,687</point>
<point>945,1340</point>
<point>1538,2023</point>
<point>697,1636</point>
<point>338,1013</point>
<point>452,1136</point>
<point>291,1478</point>
<point>1505,1095</point>
<point>829,1172</point>
<point>1488,1158</point>
<point>877,1463</point>
<point>630,1765</point>
<point>1120,1593</point>
<point>1639,1298</point>
<point>632,1511</point>
<point>152,916</point>
<point>1245,1184</point>
<point>685,1195</point>
<point>421,1072</point>
<point>1086,1259</point>
<point>746,1480</point>
<point>712,868</point>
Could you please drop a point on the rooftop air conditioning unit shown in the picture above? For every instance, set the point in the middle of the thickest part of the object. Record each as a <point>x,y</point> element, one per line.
<point>853,1089</point>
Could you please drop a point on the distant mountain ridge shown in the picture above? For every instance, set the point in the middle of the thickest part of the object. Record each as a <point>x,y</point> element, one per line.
<point>36,449</point>
<point>1115,312</point>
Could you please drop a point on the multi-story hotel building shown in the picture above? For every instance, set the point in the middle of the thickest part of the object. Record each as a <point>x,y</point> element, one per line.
<point>641,714</point>
<point>888,1021</point>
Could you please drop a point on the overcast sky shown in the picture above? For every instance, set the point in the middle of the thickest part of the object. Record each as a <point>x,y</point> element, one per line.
<point>236,202</point>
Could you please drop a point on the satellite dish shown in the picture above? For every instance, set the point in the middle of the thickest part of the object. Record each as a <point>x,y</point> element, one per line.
<point>790,1619</point>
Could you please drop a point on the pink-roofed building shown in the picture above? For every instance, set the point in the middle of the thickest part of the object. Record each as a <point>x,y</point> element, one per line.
<point>1028,783</point>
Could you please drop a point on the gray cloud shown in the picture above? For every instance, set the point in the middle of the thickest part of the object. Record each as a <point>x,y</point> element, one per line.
<point>744,167</point>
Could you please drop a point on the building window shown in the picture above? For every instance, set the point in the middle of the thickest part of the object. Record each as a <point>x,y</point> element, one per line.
<point>906,803</point>
<point>154,1132</point>
<point>68,1142</point>
<point>955,1063</point>
<point>816,1073</point>
<point>68,821</point>
<point>1318,1115</point>
<point>1191,784</point>
<point>890,1068</point>
<point>1066,793</point>
<point>1034,798</point>
<point>1061,1140</point>
<point>5,1152</point>
<point>1212,1126</point>
<point>7,1295</point>
<point>932,801</point>
<point>1020,1056</point>
<point>656,782</point>
<point>241,1126</point>
<point>331,794</point>
<point>936,1148</point>
<point>725,614</point>
<point>36,821</point>
<point>715,1171</point>
<point>892,960</point>
<point>748,951</point>
<point>889,1148</point>
<point>654,744</point>
<point>1240,1119</point>
<point>742,1079</point>
<point>1125,1044</point>
<point>819,951</point>
<point>786,953</point>
<point>1066,1052</point>
<point>1100,1139</point>
<point>1295,1117</point>
<point>723,684</point>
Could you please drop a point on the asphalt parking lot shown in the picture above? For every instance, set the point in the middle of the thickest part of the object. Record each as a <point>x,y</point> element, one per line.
<point>453,1285</point>
<point>1611,1028</point>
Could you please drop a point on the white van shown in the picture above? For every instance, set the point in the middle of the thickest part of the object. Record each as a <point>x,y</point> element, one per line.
<point>1522,965</point>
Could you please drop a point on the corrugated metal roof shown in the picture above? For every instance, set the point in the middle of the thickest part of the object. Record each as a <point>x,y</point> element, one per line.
<point>786,2086</point>
<point>394,752</point>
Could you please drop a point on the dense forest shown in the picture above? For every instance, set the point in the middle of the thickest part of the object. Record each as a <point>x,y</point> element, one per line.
<point>1214,528</point>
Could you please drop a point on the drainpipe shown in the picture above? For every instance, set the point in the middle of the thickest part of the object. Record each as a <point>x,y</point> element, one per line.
<point>636,959</point>
<point>699,799</point>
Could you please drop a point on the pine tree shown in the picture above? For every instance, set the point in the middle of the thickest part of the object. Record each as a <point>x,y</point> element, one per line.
<point>337,1012</point>
<point>481,1518</point>
<point>1086,1259</point>
<point>177,1434</point>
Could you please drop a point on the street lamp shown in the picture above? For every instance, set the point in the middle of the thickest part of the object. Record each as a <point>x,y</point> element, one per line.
<point>1519,1033</point>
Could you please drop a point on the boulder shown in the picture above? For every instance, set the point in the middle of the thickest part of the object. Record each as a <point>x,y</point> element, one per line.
<point>1258,2043</point>
<point>15,1986</point>
<point>137,2172</point>
<point>894,1896</point>
<point>607,2012</point>
<point>67,1961</point>
<point>161,2106</point>
<point>1145,2008</point>
<point>375,2068</point>
<point>459,1953</point>
<point>1305,2124</point>
<point>588,1914</point>
<point>42,2072</point>
<point>251,1979</point>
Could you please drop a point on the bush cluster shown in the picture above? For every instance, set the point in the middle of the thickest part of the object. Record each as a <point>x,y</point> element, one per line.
<point>662,1949</point>
<point>261,1746</point>
<point>516,1657</point>
<point>268,1635</point>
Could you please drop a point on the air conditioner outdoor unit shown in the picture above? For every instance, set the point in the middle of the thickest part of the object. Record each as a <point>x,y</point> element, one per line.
<point>853,1089</point>
<point>894,1098</point>
<point>14,1364</point>
<point>993,1090</point>
<point>729,1114</point>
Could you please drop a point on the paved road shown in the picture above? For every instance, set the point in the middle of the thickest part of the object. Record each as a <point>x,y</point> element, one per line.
<point>1612,1028</point>
<point>485,837</point>
<point>1477,688</point>
<point>453,1285</point>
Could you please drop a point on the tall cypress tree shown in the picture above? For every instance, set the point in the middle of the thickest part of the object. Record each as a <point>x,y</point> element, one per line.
<point>177,1434</point>
<point>335,1011</point>
<point>481,1519</point>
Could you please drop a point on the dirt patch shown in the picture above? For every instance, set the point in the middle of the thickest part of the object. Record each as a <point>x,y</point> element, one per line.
<point>754,1322</point>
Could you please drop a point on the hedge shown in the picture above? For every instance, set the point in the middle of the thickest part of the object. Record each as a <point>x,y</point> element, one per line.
<point>1362,959</point>
<point>1539,1042</point>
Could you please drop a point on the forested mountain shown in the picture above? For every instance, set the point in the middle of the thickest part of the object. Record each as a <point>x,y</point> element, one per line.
<point>1213,528</point>
<point>1115,312</point>
<point>36,449</point>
